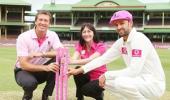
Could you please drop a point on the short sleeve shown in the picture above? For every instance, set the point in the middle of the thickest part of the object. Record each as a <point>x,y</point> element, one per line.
<point>78,47</point>
<point>21,46</point>
<point>56,41</point>
<point>101,48</point>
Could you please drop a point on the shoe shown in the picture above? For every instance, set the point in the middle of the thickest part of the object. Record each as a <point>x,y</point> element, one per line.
<point>100,97</point>
<point>45,97</point>
<point>27,96</point>
<point>80,98</point>
<point>26,99</point>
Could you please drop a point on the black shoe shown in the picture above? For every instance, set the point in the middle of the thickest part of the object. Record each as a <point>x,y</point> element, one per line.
<point>100,97</point>
<point>80,98</point>
<point>27,96</point>
<point>26,99</point>
<point>45,97</point>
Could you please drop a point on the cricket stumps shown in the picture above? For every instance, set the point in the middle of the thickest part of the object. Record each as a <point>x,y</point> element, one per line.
<point>62,59</point>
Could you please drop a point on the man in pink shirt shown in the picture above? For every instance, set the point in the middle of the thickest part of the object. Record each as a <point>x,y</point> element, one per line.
<point>35,54</point>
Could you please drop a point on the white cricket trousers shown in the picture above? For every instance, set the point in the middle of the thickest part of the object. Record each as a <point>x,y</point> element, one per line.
<point>139,88</point>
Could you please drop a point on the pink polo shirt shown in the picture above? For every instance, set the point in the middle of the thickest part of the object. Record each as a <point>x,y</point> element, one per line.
<point>95,47</point>
<point>28,42</point>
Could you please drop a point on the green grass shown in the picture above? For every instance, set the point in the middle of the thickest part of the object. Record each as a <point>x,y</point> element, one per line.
<point>9,90</point>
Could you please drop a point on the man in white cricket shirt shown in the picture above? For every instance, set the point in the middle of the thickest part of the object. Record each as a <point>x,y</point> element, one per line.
<point>143,77</point>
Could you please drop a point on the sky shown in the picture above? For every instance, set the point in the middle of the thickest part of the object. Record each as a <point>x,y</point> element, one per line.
<point>37,4</point>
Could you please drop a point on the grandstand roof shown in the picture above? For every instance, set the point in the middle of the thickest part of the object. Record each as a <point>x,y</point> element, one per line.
<point>103,5</point>
<point>16,2</point>
<point>119,2</point>
<point>158,7</point>
<point>96,5</point>
<point>106,5</point>
<point>57,7</point>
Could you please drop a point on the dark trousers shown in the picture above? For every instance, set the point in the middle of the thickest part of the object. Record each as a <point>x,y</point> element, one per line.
<point>88,88</point>
<point>30,80</point>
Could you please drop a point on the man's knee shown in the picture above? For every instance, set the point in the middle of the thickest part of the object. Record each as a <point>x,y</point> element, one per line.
<point>123,83</point>
<point>92,89</point>
<point>26,81</point>
<point>98,95</point>
<point>29,85</point>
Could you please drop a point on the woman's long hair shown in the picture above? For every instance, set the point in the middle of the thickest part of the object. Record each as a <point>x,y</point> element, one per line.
<point>91,27</point>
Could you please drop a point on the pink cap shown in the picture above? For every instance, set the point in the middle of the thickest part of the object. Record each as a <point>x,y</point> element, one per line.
<point>123,14</point>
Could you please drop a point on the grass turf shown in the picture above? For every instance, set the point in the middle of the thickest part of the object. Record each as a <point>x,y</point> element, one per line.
<point>9,90</point>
